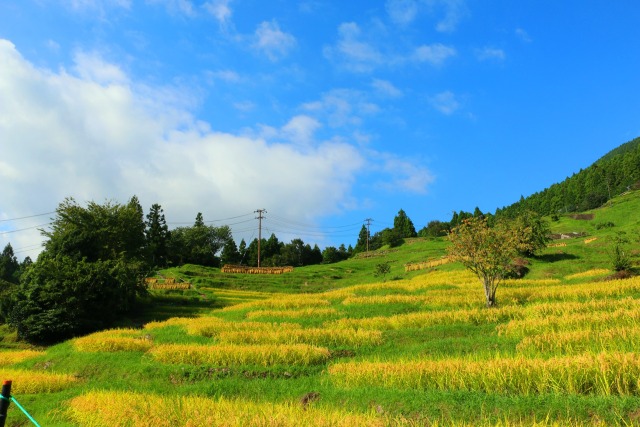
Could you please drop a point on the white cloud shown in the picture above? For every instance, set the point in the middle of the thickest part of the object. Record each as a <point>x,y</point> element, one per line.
<point>351,52</point>
<point>403,175</point>
<point>91,67</point>
<point>272,41</point>
<point>445,102</point>
<point>490,53</point>
<point>454,12</point>
<point>434,54</point>
<point>386,88</point>
<point>301,129</point>
<point>220,10</point>
<point>342,108</point>
<point>228,76</point>
<point>100,136</point>
<point>402,12</point>
<point>358,53</point>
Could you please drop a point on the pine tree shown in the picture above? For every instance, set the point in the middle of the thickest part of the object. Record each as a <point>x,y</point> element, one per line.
<point>157,235</point>
<point>403,225</point>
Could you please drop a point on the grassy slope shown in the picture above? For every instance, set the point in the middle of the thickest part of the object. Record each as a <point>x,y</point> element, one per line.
<point>135,371</point>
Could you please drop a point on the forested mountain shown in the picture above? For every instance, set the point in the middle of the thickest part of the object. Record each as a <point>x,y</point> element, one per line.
<point>613,174</point>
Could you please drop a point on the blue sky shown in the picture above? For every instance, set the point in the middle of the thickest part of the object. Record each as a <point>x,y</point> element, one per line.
<point>324,113</point>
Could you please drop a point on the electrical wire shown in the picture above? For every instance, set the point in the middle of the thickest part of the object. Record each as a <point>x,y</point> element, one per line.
<point>25,217</point>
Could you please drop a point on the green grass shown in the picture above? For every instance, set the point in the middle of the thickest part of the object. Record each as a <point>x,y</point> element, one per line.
<point>137,371</point>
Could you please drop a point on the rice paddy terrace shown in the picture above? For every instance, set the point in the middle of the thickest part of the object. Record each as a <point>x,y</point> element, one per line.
<point>416,349</point>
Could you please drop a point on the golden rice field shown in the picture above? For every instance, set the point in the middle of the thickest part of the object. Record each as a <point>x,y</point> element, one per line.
<point>234,355</point>
<point>15,356</point>
<point>603,374</point>
<point>416,352</point>
<point>103,408</point>
<point>31,382</point>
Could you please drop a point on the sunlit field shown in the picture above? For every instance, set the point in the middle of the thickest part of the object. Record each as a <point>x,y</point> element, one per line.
<point>416,351</point>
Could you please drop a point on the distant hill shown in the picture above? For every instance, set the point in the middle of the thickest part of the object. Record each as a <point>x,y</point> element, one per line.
<point>613,174</point>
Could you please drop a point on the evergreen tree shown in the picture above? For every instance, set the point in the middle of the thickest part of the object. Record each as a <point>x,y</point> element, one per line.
<point>9,265</point>
<point>363,238</point>
<point>403,225</point>
<point>230,254</point>
<point>199,220</point>
<point>157,235</point>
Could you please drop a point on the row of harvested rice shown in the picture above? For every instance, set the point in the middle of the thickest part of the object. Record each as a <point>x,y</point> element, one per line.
<point>582,340</point>
<point>32,382</point>
<point>314,336</point>
<point>430,318</point>
<point>566,322</point>
<point>303,313</point>
<point>600,374</point>
<point>104,408</point>
<point>231,354</point>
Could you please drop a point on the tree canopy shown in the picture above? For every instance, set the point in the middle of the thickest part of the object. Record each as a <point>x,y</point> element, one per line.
<point>486,251</point>
<point>88,274</point>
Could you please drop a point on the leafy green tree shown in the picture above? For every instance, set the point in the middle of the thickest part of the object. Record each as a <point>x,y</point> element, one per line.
<point>392,237</point>
<point>403,225</point>
<point>532,232</point>
<point>198,244</point>
<point>331,255</point>
<point>434,228</point>
<point>88,274</point>
<point>487,251</point>
<point>157,236</point>
<point>97,232</point>
<point>382,270</point>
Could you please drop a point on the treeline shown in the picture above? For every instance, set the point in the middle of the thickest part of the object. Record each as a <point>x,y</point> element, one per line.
<point>613,174</point>
<point>91,269</point>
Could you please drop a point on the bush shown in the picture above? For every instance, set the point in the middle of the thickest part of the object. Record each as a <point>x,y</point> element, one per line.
<point>620,257</point>
<point>601,225</point>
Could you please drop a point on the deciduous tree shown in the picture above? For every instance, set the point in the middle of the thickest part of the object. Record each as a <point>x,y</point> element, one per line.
<point>486,251</point>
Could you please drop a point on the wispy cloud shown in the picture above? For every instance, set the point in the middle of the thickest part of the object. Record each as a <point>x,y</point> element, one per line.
<point>445,102</point>
<point>228,76</point>
<point>402,12</point>
<point>434,54</point>
<point>386,88</point>
<point>177,7</point>
<point>351,51</point>
<point>403,175</point>
<point>354,52</point>
<point>272,41</point>
<point>342,108</point>
<point>454,12</point>
<point>490,53</point>
<point>220,10</point>
<point>523,35</point>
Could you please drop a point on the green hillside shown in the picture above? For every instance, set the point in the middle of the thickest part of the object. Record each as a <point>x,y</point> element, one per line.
<point>338,345</point>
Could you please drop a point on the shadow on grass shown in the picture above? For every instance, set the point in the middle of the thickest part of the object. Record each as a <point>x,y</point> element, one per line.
<point>556,257</point>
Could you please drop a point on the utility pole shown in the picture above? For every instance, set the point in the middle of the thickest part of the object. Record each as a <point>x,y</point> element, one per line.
<point>368,221</point>
<point>259,218</point>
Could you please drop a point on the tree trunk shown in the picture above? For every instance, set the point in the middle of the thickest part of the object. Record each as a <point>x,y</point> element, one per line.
<point>489,293</point>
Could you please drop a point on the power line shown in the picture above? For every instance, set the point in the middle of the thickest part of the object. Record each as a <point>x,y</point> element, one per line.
<point>25,217</point>
<point>24,229</point>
